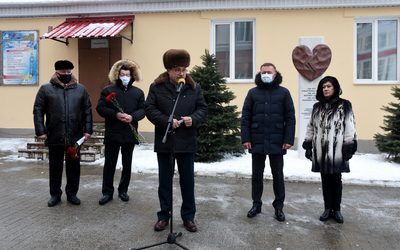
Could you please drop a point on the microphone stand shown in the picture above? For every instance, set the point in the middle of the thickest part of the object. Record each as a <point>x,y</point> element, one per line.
<point>171,239</point>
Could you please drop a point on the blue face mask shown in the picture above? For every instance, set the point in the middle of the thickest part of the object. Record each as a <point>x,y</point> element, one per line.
<point>125,80</point>
<point>267,78</point>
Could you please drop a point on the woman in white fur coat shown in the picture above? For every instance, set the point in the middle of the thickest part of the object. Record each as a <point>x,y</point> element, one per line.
<point>330,142</point>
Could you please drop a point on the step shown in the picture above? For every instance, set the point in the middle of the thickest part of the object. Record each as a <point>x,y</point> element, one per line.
<point>43,154</point>
<point>87,146</point>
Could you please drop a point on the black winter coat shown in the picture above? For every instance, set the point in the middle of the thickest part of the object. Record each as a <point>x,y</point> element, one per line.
<point>159,105</point>
<point>63,112</point>
<point>268,117</point>
<point>131,101</point>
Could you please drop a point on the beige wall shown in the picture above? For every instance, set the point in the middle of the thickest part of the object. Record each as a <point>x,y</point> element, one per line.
<point>277,34</point>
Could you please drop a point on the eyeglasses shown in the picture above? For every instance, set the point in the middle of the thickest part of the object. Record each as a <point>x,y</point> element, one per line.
<point>178,70</point>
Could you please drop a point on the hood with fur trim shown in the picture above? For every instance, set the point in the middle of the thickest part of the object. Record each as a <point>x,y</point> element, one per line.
<point>275,83</point>
<point>164,77</point>
<point>113,76</point>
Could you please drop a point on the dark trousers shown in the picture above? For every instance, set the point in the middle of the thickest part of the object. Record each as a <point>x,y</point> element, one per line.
<point>257,178</point>
<point>166,168</point>
<point>111,153</point>
<point>332,190</point>
<point>72,170</point>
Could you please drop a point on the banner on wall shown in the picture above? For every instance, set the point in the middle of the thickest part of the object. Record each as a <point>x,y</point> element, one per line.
<point>20,57</point>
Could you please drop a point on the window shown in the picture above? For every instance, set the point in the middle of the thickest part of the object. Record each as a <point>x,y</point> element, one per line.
<point>377,56</point>
<point>233,46</point>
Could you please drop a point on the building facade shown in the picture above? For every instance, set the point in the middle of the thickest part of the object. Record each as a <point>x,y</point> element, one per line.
<point>363,37</point>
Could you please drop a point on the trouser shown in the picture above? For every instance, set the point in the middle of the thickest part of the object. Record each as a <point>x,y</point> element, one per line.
<point>72,170</point>
<point>166,168</point>
<point>257,178</point>
<point>111,153</point>
<point>332,190</point>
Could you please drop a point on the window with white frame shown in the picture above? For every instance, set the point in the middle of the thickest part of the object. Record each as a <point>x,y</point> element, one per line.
<point>377,55</point>
<point>233,46</point>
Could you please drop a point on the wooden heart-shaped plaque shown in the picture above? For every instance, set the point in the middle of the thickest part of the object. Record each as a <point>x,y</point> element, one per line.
<point>313,64</point>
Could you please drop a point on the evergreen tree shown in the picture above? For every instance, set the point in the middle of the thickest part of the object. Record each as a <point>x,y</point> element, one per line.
<point>390,142</point>
<point>220,134</point>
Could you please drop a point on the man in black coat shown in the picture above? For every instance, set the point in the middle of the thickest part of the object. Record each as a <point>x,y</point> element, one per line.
<point>62,115</point>
<point>181,141</point>
<point>267,128</point>
<point>121,125</point>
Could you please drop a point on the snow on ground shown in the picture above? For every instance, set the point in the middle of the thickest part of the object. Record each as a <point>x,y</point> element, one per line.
<point>369,169</point>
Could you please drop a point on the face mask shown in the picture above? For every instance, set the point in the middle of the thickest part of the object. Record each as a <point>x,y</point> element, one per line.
<point>65,78</point>
<point>267,78</point>
<point>125,80</point>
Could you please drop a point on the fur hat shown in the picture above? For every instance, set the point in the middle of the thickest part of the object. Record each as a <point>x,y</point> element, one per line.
<point>63,64</point>
<point>176,58</point>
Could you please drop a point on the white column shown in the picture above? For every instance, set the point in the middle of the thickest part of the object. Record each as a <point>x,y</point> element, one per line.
<point>307,91</point>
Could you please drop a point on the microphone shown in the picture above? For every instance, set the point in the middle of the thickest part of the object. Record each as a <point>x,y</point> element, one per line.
<point>181,82</point>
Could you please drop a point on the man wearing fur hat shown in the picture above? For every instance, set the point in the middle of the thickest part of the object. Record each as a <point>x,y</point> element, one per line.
<point>62,115</point>
<point>181,143</point>
<point>118,125</point>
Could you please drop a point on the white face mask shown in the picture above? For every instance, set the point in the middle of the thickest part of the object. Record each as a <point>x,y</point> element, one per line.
<point>125,80</point>
<point>267,78</point>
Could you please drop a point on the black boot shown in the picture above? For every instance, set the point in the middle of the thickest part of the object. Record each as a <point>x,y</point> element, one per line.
<point>256,209</point>
<point>325,215</point>
<point>337,215</point>
<point>54,200</point>
<point>279,215</point>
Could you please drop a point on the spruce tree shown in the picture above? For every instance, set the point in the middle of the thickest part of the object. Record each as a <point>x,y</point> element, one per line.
<point>220,134</point>
<point>390,141</point>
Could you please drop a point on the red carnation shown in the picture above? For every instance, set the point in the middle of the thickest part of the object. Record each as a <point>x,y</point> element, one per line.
<point>72,153</point>
<point>111,96</point>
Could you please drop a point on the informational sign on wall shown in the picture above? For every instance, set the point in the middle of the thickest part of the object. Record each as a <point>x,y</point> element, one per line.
<point>19,51</point>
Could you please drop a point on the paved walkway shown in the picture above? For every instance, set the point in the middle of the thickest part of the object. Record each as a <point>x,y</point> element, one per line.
<point>371,215</point>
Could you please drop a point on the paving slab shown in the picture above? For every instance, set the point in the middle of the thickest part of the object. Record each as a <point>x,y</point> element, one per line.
<point>371,214</point>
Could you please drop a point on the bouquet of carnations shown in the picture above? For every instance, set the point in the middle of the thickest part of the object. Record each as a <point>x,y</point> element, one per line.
<point>111,98</point>
<point>72,151</point>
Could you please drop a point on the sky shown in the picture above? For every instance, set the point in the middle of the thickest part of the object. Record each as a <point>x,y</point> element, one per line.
<point>365,169</point>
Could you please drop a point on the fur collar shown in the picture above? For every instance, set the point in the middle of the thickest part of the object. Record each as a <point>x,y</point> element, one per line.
<point>164,77</point>
<point>275,83</point>
<point>55,81</point>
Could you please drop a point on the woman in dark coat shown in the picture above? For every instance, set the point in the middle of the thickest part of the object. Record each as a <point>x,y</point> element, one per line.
<point>330,142</point>
<point>118,125</point>
<point>181,140</point>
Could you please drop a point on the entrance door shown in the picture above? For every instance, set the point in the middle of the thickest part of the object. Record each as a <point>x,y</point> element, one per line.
<point>94,66</point>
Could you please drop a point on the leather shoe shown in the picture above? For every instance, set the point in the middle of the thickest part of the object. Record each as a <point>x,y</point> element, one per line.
<point>337,216</point>
<point>160,225</point>
<point>124,197</point>
<point>279,215</point>
<point>254,211</point>
<point>325,215</point>
<point>106,198</point>
<point>73,200</point>
<point>190,226</point>
<point>54,200</point>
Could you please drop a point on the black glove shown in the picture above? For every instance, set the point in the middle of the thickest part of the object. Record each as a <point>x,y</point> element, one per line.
<point>307,145</point>
<point>348,151</point>
<point>308,154</point>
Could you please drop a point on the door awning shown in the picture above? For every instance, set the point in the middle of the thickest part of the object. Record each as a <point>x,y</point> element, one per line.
<point>90,27</point>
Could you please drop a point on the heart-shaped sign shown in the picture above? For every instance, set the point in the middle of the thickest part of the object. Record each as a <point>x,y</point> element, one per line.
<point>313,64</point>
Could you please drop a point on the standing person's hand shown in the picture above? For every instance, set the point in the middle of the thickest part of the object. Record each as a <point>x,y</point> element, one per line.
<point>286,146</point>
<point>87,136</point>
<point>176,123</point>
<point>247,145</point>
<point>42,137</point>
<point>187,120</point>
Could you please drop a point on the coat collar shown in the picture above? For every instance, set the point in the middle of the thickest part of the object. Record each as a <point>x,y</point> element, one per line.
<point>164,78</point>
